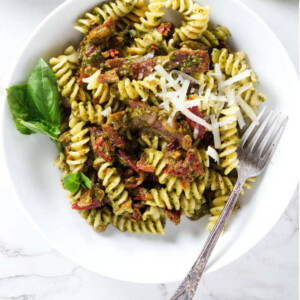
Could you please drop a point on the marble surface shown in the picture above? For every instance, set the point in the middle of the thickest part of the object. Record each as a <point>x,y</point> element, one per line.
<point>31,269</point>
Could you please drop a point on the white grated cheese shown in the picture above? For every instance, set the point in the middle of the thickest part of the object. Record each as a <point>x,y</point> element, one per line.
<point>228,120</point>
<point>192,103</point>
<point>201,89</point>
<point>218,74</point>
<point>177,98</point>
<point>185,76</point>
<point>162,72</point>
<point>195,118</point>
<point>163,84</point>
<point>106,112</point>
<point>213,154</point>
<point>149,55</point>
<point>196,132</point>
<point>241,120</point>
<point>215,131</point>
<point>245,88</point>
<point>247,109</point>
<point>166,105</point>
<point>221,99</point>
<point>230,93</point>
<point>206,98</point>
<point>169,94</point>
<point>237,78</point>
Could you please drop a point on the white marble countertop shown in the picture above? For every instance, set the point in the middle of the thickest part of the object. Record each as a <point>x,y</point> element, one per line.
<point>31,269</point>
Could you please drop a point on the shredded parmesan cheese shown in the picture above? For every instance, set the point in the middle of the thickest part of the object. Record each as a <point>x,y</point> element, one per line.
<point>196,132</point>
<point>245,88</point>
<point>192,103</point>
<point>241,120</point>
<point>201,89</point>
<point>215,131</point>
<point>213,154</point>
<point>237,78</point>
<point>185,76</point>
<point>106,112</point>
<point>247,109</point>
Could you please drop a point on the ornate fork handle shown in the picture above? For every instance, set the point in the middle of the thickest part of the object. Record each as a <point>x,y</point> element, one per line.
<point>188,287</point>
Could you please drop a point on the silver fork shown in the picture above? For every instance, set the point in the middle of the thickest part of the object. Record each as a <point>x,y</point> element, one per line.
<point>253,157</point>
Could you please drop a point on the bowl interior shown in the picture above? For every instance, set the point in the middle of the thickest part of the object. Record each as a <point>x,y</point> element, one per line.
<point>143,258</point>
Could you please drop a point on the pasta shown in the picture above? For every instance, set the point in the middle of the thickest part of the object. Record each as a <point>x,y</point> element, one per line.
<point>213,37</point>
<point>99,218</point>
<point>232,64</point>
<point>112,182</point>
<point>229,139</point>
<point>147,226</point>
<point>115,9</point>
<point>152,115</point>
<point>87,112</point>
<point>78,149</point>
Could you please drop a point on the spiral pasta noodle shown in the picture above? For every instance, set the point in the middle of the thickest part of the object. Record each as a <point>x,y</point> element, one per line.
<point>99,90</point>
<point>153,16</point>
<point>99,218</point>
<point>232,64</point>
<point>116,9</point>
<point>253,98</point>
<point>229,139</point>
<point>183,7</point>
<point>112,182</point>
<point>134,89</point>
<point>88,112</point>
<point>63,67</point>
<point>78,149</point>
<point>212,37</point>
<point>196,24</point>
<point>148,226</point>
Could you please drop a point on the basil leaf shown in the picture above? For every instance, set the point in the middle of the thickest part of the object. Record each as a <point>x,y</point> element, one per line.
<point>43,91</point>
<point>38,127</point>
<point>72,182</point>
<point>34,106</point>
<point>85,181</point>
<point>18,103</point>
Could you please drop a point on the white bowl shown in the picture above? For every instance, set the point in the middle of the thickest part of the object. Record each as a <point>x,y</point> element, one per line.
<point>144,258</point>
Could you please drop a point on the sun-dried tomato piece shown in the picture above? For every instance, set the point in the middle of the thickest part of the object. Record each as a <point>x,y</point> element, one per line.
<point>113,136</point>
<point>173,215</point>
<point>129,160</point>
<point>103,149</point>
<point>165,28</point>
<point>201,128</point>
<point>109,77</point>
<point>113,53</point>
<point>189,61</point>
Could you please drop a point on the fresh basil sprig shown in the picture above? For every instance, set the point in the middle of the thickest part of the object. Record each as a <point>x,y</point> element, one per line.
<point>73,181</point>
<point>34,105</point>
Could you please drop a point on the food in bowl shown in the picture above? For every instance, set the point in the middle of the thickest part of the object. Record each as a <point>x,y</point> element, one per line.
<point>146,116</point>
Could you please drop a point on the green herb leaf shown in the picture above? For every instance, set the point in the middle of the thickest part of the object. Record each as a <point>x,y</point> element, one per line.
<point>73,181</point>
<point>43,91</point>
<point>38,127</point>
<point>34,106</point>
<point>18,102</point>
<point>85,181</point>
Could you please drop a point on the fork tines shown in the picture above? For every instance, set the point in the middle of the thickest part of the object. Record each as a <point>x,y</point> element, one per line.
<point>266,137</point>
